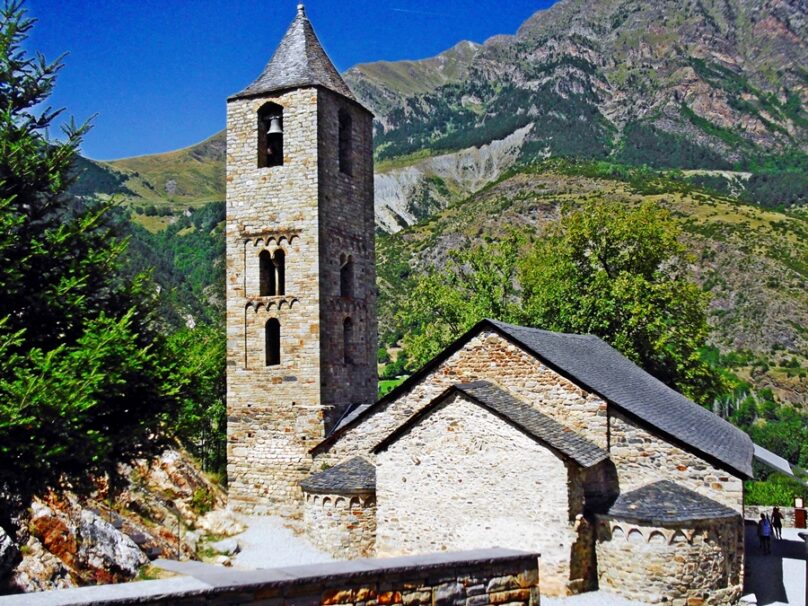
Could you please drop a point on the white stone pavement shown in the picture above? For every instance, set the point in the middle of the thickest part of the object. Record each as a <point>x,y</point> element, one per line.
<point>777,579</point>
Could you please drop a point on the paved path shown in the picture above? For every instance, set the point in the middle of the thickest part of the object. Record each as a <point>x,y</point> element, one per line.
<point>267,543</point>
<point>777,579</point>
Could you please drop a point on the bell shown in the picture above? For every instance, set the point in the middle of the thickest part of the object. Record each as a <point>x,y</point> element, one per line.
<point>275,126</point>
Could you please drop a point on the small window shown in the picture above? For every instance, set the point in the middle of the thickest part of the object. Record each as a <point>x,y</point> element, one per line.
<point>345,142</point>
<point>347,341</point>
<point>270,135</point>
<point>346,277</point>
<point>266,287</point>
<point>273,342</point>
<point>280,271</point>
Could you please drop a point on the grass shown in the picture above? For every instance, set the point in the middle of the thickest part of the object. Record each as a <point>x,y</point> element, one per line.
<point>388,385</point>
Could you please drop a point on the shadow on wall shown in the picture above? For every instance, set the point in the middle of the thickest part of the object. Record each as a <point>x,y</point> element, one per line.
<point>772,577</point>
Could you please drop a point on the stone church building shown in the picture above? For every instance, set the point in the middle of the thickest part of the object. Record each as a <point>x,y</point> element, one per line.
<point>512,437</point>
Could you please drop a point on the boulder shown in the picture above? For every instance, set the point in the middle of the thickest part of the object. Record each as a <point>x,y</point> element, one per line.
<point>222,522</point>
<point>105,548</point>
<point>40,570</point>
<point>9,554</point>
<point>226,546</point>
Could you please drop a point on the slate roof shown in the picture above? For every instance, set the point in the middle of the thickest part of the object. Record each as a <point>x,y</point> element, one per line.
<point>602,369</point>
<point>298,61</point>
<point>665,502</point>
<point>351,477</point>
<point>531,421</point>
<point>599,368</point>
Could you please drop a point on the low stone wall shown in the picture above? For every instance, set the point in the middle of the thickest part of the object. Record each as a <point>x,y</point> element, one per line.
<point>752,512</point>
<point>342,525</point>
<point>472,578</point>
<point>674,564</point>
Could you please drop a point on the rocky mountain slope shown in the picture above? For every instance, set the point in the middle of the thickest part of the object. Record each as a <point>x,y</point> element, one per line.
<point>169,505</point>
<point>752,261</point>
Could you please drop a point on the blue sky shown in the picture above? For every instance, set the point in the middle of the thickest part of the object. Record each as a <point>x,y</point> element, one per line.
<point>157,72</point>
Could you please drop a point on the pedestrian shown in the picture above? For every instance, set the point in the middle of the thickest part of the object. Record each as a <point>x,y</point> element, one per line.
<point>777,523</point>
<point>765,533</point>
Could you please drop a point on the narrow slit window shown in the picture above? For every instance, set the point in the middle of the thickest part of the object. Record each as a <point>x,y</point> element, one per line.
<point>346,277</point>
<point>347,341</point>
<point>273,342</point>
<point>266,286</point>
<point>345,142</point>
<point>270,135</point>
<point>280,271</point>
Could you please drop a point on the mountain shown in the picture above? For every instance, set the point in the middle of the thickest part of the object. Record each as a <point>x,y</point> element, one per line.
<point>711,94</point>
<point>186,177</point>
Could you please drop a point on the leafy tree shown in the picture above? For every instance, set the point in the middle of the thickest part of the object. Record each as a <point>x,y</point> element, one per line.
<point>620,273</point>
<point>85,381</point>
<point>476,283</point>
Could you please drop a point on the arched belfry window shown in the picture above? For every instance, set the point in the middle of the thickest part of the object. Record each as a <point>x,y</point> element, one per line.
<point>346,276</point>
<point>270,135</point>
<point>347,340</point>
<point>345,142</point>
<point>266,287</point>
<point>273,342</point>
<point>280,271</point>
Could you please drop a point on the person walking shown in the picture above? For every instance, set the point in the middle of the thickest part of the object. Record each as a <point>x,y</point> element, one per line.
<point>777,523</point>
<point>765,534</point>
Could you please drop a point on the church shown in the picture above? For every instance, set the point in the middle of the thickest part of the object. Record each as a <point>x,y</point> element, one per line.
<point>512,437</point>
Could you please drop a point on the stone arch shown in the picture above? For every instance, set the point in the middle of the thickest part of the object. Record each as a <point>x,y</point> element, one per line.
<point>678,537</point>
<point>635,536</point>
<point>339,503</point>
<point>266,273</point>
<point>279,261</point>
<point>369,501</point>
<point>270,135</point>
<point>657,538</point>
<point>354,503</point>
<point>618,533</point>
<point>346,276</point>
<point>326,501</point>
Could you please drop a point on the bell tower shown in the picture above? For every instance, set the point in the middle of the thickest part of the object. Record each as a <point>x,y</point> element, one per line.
<point>301,292</point>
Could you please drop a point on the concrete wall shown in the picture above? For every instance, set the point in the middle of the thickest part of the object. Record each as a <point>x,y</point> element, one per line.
<point>641,457</point>
<point>672,564</point>
<point>462,478</point>
<point>314,213</point>
<point>342,525</point>
<point>495,576</point>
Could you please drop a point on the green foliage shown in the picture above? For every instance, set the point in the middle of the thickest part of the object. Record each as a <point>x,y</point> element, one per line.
<point>85,382</point>
<point>201,422</point>
<point>776,490</point>
<point>202,501</point>
<point>645,144</point>
<point>476,283</point>
<point>620,273</point>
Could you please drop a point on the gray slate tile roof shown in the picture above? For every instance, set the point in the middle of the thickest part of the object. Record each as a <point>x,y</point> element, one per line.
<point>298,61</point>
<point>354,476</point>
<point>531,421</point>
<point>665,502</point>
<point>598,367</point>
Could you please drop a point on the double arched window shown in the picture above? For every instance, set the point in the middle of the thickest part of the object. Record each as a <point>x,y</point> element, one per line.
<point>272,273</point>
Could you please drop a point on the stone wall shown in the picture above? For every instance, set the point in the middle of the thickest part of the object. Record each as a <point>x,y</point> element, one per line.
<point>681,565</point>
<point>486,356</point>
<point>463,478</point>
<point>341,525</point>
<point>485,577</point>
<point>314,214</point>
<point>642,457</point>
<point>752,512</point>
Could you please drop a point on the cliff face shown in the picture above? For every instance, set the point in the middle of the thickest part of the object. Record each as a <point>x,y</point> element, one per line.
<point>722,80</point>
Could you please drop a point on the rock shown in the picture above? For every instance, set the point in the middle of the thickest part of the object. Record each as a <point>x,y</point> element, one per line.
<point>223,560</point>
<point>191,539</point>
<point>9,554</point>
<point>222,522</point>
<point>40,570</point>
<point>105,548</point>
<point>226,546</point>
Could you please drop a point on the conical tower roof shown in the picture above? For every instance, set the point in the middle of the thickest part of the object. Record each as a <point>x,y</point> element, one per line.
<point>299,61</point>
